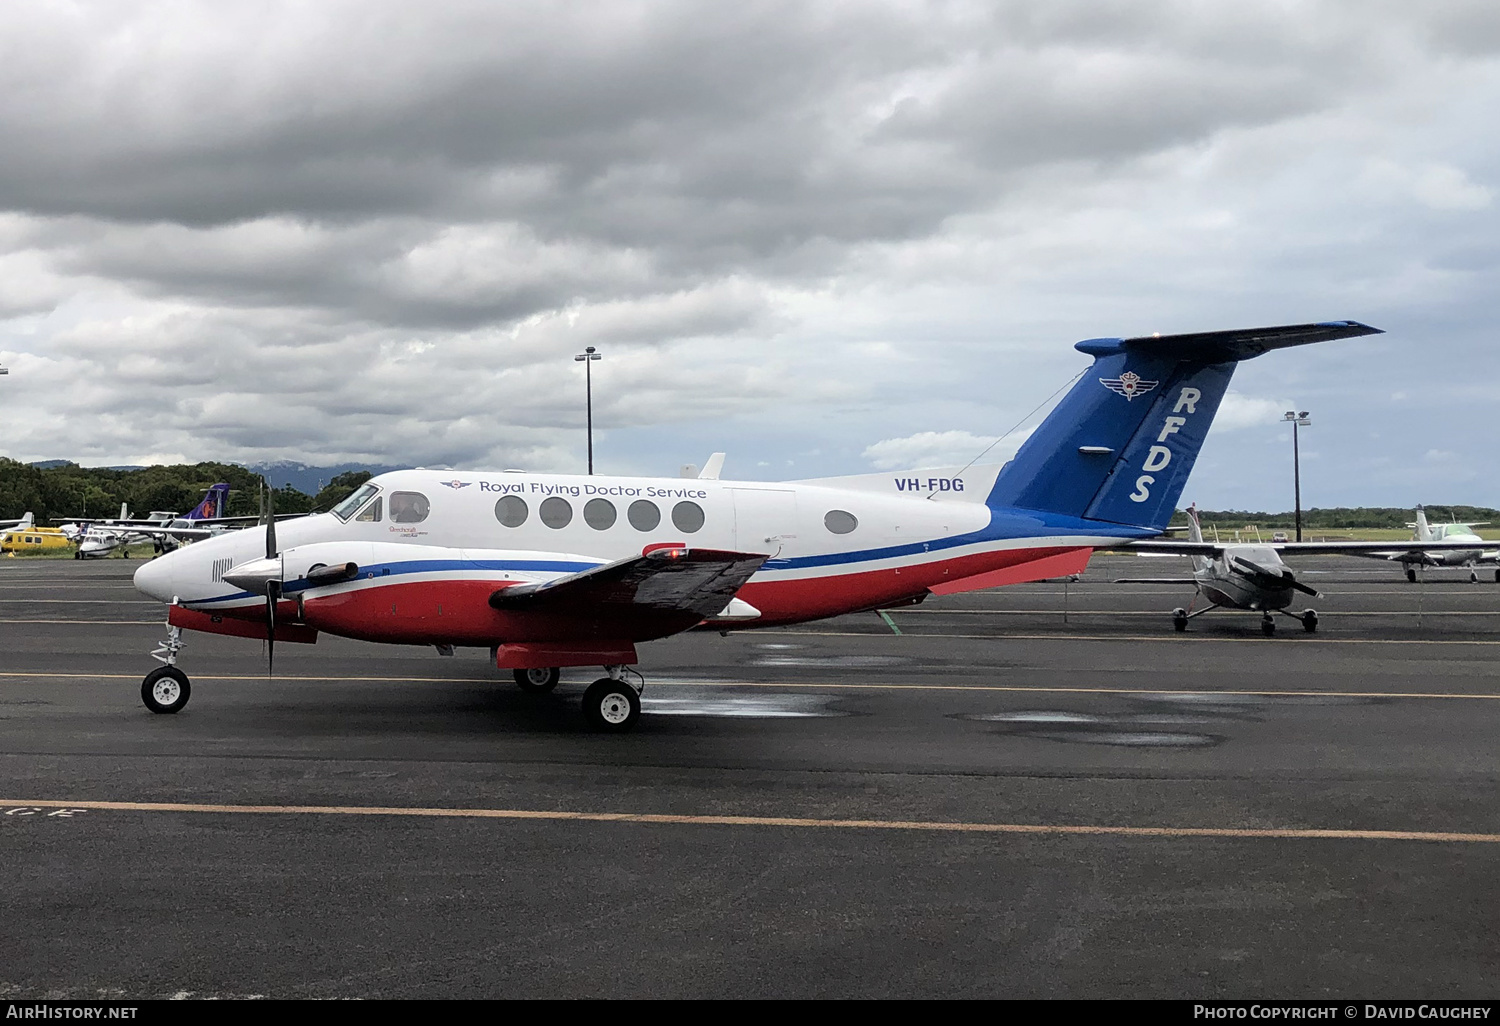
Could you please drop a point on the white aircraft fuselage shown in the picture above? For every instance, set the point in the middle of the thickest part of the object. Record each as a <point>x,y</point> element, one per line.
<point>428,580</point>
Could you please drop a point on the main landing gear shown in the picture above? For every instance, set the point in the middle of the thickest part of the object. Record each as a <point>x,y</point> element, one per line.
<point>611,705</point>
<point>166,688</point>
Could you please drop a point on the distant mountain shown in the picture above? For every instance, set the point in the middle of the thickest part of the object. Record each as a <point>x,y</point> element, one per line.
<point>54,464</point>
<point>310,480</point>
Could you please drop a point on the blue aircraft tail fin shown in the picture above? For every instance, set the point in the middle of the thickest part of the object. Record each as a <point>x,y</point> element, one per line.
<point>1119,446</point>
<point>215,503</point>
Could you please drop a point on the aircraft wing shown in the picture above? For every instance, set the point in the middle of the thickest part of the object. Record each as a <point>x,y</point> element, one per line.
<point>665,587</point>
<point>1374,549</point>
<point>163,531</point>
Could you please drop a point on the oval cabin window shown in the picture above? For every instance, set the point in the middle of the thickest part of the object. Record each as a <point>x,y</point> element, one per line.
<point>511,511</point>
<point>599,514</point>
<point>839,522</point>
<point>687,517</point>
<point>643,515</point>
<point>556,512</point>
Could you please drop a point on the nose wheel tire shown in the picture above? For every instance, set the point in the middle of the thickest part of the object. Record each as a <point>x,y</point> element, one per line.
<point>1268,626</point>
<point>1411,575</point>
<point>539,680</point>
<point>611,706</point>
<point>165,689</point>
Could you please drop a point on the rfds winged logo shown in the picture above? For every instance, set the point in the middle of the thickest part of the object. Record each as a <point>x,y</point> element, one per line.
<point>456,484</point>
<point>1130,384</point>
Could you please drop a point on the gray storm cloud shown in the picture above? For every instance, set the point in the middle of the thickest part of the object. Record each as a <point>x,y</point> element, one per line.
<point>379,230</point>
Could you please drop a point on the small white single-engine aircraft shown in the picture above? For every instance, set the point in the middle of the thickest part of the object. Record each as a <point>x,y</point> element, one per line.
<point>554,570</point>
<point>1470,557</point>
<point>1239,575</point>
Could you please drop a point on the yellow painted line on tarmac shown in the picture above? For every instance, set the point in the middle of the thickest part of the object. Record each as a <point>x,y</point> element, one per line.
<point>801,685</point>
<point>1302,639</point>
<point>796,822</point>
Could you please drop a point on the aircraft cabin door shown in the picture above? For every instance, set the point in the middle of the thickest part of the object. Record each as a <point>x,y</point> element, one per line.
<point>765,519</point>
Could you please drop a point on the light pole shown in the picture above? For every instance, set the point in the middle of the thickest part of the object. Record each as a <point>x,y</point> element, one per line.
<point>1298,420</point>
<point>587,357</point>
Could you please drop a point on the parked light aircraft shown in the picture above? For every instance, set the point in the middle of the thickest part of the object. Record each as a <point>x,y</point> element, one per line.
<point>554,570</point>
<point>1469,557</point>
<point>165,530</point>
<point>1252,576</point>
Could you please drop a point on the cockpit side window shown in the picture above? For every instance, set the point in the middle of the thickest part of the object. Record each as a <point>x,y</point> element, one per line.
<point>356,499</point>
<point>370,514</point>
<point>409,507</point>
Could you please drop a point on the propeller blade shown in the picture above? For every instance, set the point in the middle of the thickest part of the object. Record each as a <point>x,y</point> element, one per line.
<point>1293,582</point>
<point>273,592</point>
<point>270,515</point>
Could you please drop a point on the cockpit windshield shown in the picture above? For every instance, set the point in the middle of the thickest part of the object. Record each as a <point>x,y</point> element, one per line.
<point>347,508</point>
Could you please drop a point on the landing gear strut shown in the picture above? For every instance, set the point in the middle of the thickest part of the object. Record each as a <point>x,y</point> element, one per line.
<point>1180,617</point>
<point>612,704</point>
<point>1308,620</point>
<point>166,688</point>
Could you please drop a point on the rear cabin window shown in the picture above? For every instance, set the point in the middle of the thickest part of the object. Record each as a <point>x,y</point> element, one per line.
<point>687,517</point>
<point>408,507</point>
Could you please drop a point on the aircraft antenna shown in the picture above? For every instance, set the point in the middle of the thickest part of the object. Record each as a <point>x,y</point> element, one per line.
<point>1044,402</point>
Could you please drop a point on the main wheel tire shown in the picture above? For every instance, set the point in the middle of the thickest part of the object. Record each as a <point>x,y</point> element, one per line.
<point>1497,576</point>
<point>537,681</point>
<point>1411,576</point>
<point>165,689</point>
<point>1268,627</point>
<point>1310,621</point>
<point>1179,620</point>
<point>611,706</point>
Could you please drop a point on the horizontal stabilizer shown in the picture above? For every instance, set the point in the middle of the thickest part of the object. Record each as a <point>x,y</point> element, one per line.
<point>1227,346</point>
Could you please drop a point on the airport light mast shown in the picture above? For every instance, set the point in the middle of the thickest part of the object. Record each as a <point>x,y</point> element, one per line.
<point>1297,420</point>
<point>587,357</point>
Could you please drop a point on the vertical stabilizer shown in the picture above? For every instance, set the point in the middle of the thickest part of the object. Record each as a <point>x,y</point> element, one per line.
<point>1120,445</point>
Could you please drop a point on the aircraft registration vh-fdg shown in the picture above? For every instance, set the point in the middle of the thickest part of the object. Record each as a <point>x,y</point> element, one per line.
<point>550,570</point>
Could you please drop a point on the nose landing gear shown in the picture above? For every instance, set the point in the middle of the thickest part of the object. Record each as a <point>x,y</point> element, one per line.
<point>166,688</point>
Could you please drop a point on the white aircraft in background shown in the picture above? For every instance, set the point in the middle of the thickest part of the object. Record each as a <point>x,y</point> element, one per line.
<point>1251,575</point>
<point>1469,557</point>
<point>555,570</point>
<point>165,530</point>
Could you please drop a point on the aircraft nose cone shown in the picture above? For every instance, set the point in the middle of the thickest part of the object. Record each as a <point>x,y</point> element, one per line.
<point>156,579</point>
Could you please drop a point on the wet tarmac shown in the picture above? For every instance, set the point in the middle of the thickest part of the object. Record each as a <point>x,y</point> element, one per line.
<point>1035,791</point>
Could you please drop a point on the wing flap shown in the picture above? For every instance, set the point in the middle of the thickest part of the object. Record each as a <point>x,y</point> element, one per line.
<point>669,581</point>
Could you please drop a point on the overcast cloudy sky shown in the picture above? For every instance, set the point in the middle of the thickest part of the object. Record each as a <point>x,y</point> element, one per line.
<point>825,237</point>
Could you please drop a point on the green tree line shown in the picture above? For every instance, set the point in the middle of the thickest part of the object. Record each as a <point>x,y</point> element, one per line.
<point>72,491</point>
<point>1343,516</point>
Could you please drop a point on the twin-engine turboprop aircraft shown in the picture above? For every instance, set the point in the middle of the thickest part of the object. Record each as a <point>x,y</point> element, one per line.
<point>552,570</point>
